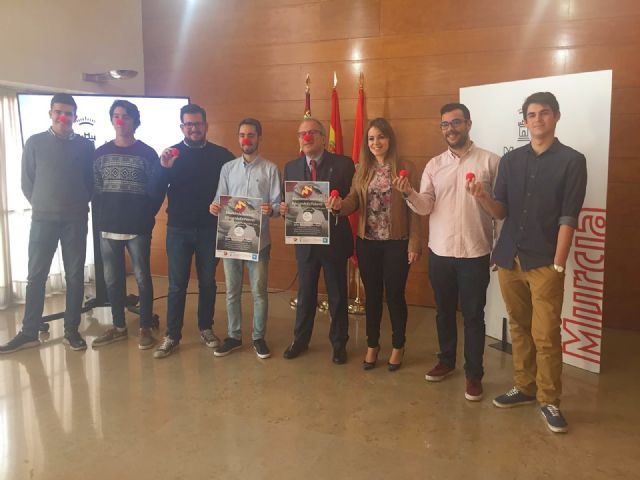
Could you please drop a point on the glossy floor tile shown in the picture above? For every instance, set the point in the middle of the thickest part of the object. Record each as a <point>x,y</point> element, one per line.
<point>118,413</point>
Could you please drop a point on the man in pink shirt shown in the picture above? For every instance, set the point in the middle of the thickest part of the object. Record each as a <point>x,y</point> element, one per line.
<point>460,241</point>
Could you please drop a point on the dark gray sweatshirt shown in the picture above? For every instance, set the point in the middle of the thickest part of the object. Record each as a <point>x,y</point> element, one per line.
<point>57,176</point>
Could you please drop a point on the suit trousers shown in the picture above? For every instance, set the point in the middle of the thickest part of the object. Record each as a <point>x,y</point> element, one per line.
<point>335,277</point>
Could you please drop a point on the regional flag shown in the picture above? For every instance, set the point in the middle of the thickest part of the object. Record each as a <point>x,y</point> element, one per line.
<point>335,127</point>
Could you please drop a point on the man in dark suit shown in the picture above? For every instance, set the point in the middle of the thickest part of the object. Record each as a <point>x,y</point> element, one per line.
<point>318,164</point>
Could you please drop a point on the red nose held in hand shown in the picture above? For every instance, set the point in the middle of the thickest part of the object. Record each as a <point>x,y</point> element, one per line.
<point>119,122</point>
<point>307,137</point>
<point>174,151</point>
<point>245,141</point>
<point>403,173</point>
<point>334,194</point>
<point>470,177</point>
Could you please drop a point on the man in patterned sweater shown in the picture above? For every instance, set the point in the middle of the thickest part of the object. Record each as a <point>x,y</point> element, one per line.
<point>126,216</point>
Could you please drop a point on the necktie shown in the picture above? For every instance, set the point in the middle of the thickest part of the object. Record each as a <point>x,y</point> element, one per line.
<point>314,172</point>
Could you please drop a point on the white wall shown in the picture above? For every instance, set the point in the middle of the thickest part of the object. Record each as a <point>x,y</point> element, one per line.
<point>47,44</point>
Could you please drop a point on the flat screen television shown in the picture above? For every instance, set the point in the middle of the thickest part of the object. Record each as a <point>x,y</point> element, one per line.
<point>159,117</point>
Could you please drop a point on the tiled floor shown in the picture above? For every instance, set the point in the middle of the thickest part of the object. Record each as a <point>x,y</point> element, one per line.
<point>117,413</point>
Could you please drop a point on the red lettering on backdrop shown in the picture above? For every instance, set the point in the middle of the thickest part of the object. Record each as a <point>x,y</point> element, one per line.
<point>584,329</point>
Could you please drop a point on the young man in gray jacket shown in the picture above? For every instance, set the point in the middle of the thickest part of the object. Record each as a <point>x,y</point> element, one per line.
<point>57,179</point>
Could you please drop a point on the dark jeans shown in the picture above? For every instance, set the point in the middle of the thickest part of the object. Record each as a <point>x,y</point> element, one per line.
<point>115,276</point>
<point>182,244</point>
<point>43,242</point>
<point>384,267</point>
<point>335,279</point>
<point>466,279</point>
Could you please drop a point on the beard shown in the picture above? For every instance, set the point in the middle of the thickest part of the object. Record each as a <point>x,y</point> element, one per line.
<point>460,141</point>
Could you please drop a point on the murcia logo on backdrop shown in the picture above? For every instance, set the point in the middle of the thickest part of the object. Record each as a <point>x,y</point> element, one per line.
<point>523,133</point>
<point>85,127</point>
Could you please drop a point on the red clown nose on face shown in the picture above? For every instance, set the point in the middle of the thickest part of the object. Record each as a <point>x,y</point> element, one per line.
<point>174,151</point>
<point>245,141</point>
<point>308,137</point>
<point>470,177</point>
<point>119,122</point>
<point>403,173</point>
<point>334,194</point>
<point>62,119</point>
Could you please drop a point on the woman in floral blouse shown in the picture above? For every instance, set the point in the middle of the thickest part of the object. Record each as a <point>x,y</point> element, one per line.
<point>388,237</point>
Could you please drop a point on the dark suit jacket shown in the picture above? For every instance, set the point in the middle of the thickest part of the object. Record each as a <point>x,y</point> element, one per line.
<point>338,170</point>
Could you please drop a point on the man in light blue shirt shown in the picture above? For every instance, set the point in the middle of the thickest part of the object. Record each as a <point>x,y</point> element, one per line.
<point>249,175</point>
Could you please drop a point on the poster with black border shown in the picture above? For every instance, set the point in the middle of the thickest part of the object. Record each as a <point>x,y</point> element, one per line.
<point>239,224</point>
<point>307,221</point>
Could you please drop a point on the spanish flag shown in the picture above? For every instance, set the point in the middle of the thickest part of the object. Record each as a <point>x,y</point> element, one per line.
<point>355,155</point>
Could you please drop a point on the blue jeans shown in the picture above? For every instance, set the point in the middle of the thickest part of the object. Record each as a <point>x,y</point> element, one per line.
<point>182,244</point>
<point>465,279</point>
<point>233,271</point>
<point>115,276</point>
<point>43,242</point>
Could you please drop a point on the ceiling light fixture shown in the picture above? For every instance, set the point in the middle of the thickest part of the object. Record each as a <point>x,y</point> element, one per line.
<point>111,74</point>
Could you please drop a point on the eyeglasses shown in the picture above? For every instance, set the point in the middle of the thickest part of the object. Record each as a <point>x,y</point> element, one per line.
<point>455,123</point>
<point>310,132</point>
<point>192,124</point>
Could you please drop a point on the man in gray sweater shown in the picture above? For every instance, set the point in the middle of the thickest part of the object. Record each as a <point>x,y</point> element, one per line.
<point>57,179</point>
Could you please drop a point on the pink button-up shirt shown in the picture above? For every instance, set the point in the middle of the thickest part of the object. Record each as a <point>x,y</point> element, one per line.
<point>458,226</point>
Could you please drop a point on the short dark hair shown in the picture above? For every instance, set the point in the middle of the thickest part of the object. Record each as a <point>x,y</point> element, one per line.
<point>251,121</point>
<point>130,108</point>
<point>194,109</point>
<point>541,98</point>
<point>65,99</point>
<point>450,107</point>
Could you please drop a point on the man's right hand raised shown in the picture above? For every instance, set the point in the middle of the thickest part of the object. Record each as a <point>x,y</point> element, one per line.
<point>168,157</point>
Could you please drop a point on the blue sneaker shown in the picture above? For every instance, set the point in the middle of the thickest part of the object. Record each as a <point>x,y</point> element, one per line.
<point>513,398</point>
<point>555,420</point>
<point>75,341</point>
<point>19,342</point>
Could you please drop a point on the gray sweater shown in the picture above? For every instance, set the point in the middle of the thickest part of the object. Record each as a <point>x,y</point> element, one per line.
<point>57,176</point>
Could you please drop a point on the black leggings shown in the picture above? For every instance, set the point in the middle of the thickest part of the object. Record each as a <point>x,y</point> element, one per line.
<point>384,266</point>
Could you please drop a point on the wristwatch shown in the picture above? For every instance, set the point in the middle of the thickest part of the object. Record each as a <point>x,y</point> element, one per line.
<point>558,268</point>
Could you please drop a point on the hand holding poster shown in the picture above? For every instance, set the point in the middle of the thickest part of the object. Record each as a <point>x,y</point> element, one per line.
<point>307,221</point>
<point>239,224</point>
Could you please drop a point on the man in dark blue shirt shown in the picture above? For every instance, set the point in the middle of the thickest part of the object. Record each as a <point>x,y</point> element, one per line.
<point>189,175</point>
<point>539,192</point>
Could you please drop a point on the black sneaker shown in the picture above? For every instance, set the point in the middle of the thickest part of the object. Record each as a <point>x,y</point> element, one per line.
<point>75,341</point>
<point>513,398</point>
<point>19,342</point>
<point>555,420</point>
<point>228,345</point>
<point>260,346</point>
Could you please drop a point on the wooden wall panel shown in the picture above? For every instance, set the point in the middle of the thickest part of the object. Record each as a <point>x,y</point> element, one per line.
<point>250,58</point>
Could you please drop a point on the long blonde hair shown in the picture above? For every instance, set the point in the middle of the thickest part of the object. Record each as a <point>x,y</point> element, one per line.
<point>367,160</point>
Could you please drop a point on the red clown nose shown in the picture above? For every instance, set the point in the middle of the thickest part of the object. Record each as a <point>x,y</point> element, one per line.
<point>174,151</point>
<point>470,177</point>
<point>119,122</point>
<point>334,193</point>
<point>62,119</point>
<point>403,173</point>
<point>245,141</point>
<point>308,137</point>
